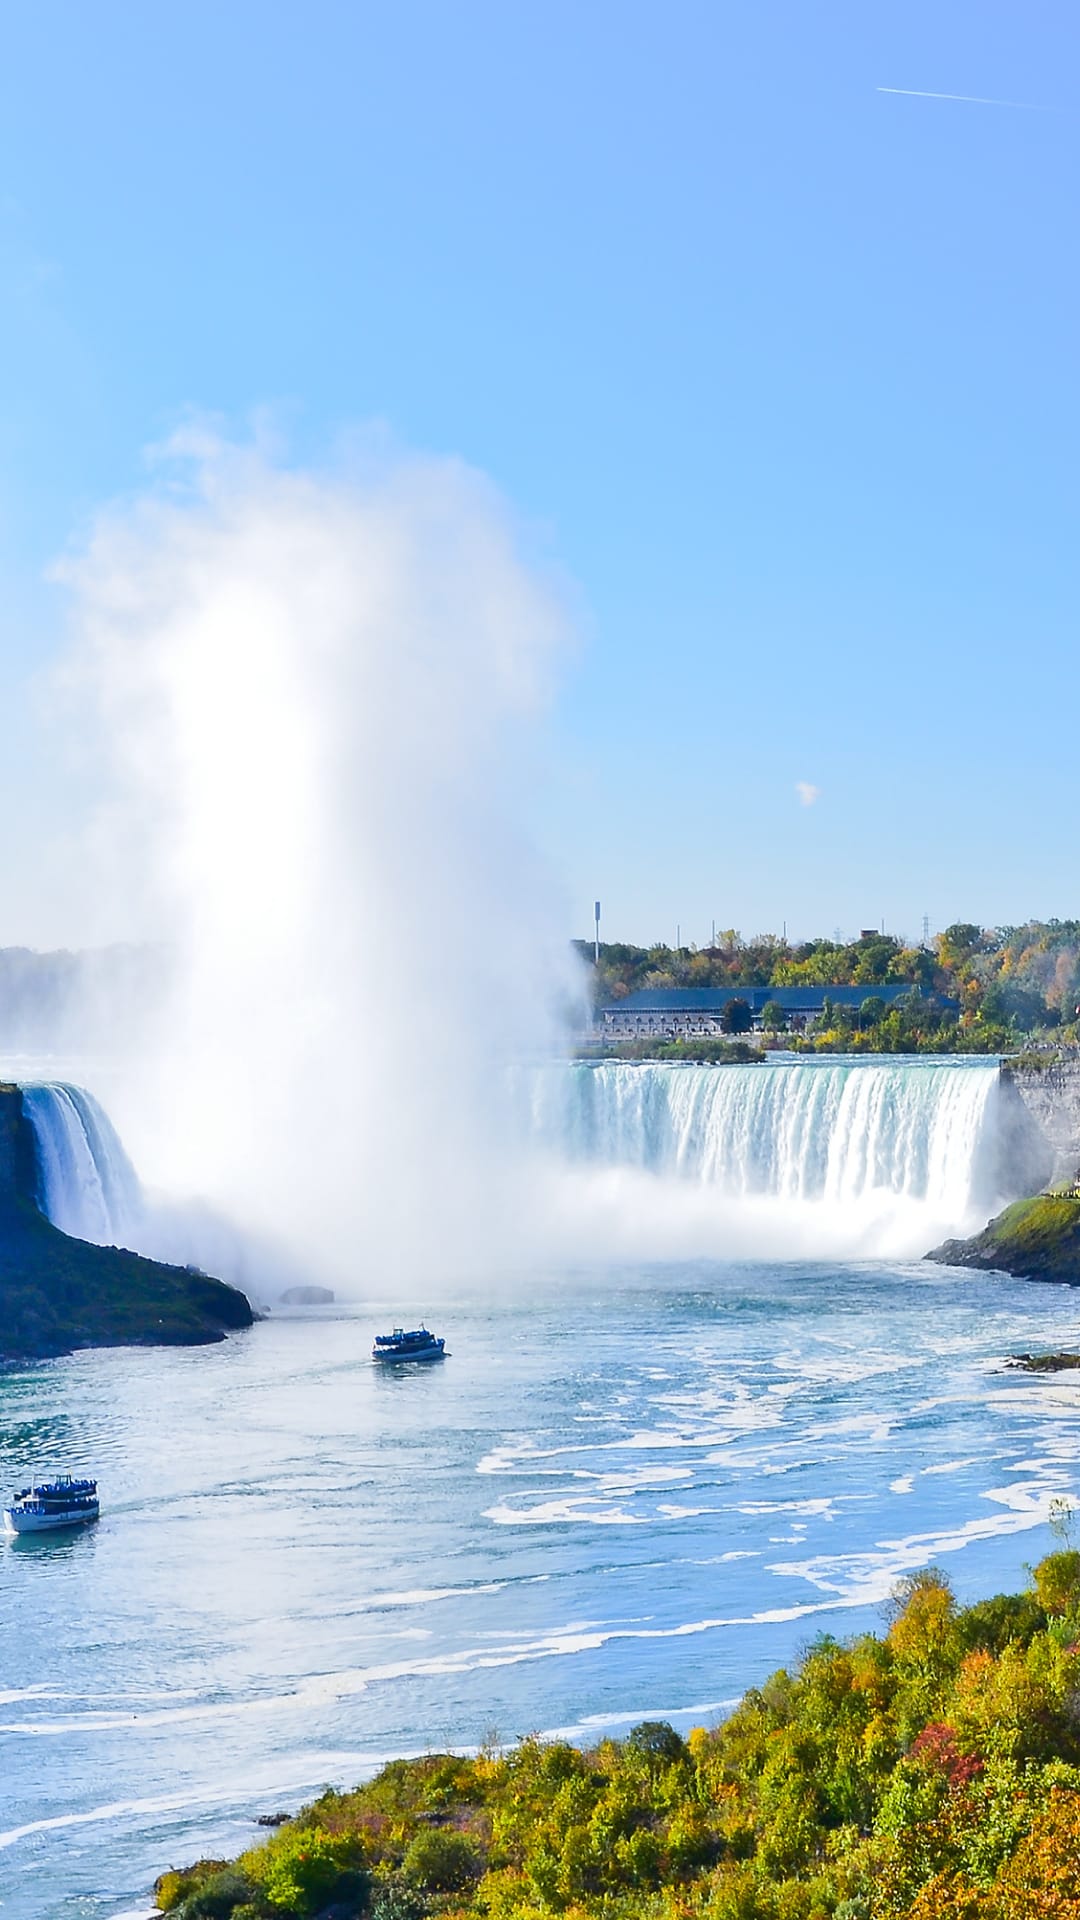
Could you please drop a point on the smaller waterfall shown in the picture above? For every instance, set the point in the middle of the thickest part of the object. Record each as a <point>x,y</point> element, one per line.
<point>86,1185</point>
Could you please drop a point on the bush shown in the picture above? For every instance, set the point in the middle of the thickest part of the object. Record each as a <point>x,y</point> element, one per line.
<point>393,1899</point>
<point>218,1897</point>
<point>1057,1581</point>
<point>441,1860</point>
<point>657,1740</point>
<point>305,1868</point>
<point>210,1890</point>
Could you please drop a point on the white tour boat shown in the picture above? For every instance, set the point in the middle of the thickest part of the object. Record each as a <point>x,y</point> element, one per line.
<point>418,1344</point>
<point>63,1502</point>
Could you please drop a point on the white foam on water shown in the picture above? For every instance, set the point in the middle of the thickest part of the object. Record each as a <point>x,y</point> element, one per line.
<point>860,1579</point>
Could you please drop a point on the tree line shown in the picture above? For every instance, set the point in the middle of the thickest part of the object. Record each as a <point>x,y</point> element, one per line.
<point>1011,986</point>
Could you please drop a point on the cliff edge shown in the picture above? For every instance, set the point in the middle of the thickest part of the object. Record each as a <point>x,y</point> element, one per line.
<point>1036,1239</point>
<point>57,1293</point>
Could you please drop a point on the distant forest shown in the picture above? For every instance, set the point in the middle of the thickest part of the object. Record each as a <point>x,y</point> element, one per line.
<point>63,1001</point>
<point>1013,986</point>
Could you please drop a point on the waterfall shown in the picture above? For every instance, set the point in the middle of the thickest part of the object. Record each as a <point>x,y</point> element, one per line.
<point>86,1185</point>
<point>833,1131</point>
<point>835,1157</point>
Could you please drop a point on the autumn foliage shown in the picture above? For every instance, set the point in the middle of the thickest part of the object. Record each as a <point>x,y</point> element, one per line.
<point>931,1773</point>
<point>977,989</point>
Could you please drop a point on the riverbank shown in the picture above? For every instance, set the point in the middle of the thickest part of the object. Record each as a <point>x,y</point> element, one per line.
<point>693,1053</point>
<point>1035,1239</point>
<point>932,1773</point>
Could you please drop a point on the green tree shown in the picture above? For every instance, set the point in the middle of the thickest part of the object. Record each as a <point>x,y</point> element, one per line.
<point>441,1860</point>
<point>736,1017</point>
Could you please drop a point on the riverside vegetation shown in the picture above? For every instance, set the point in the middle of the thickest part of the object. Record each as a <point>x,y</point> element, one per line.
<point>1012,985</point>
<point>931,1773</point>
<point>1035,1239</point>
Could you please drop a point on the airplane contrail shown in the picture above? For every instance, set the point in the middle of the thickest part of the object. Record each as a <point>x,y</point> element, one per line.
<point>969,99</point>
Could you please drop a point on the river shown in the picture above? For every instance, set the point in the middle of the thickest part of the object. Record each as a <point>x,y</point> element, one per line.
<point>628,1493</point>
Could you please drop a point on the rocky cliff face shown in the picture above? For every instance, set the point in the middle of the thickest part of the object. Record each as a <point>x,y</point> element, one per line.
<point>57,1293</point>
<point>1051,1097</point>
<point>16,1148</point>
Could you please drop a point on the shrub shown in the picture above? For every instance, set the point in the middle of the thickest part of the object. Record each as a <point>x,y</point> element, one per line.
<point>304,1868</point>
<point>441,1860</point>
<point>1057,1581</point>
<point>210,1890</point>
<point>393,1899</point>
<point>218,1897</point>
<point>656,1740</point>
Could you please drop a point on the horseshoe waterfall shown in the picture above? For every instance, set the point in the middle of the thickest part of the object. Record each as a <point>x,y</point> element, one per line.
<point>825,1156</point>
<point>942,1138</point>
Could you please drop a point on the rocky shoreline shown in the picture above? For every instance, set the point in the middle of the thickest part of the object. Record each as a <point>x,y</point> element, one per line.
<point>1035,1239</point>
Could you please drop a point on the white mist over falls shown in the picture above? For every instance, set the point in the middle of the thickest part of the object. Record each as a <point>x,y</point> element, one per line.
<point>315,703</point>
<point>315,706</point>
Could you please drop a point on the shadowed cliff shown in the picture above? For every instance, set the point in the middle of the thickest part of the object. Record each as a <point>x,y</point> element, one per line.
<point>57,1293</point>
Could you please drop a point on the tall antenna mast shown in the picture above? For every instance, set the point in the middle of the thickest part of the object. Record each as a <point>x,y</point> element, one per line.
<point>596,936</point>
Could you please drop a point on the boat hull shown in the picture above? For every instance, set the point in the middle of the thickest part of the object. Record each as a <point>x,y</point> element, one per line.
<point>16,1522</point>
<point>408,1359</point>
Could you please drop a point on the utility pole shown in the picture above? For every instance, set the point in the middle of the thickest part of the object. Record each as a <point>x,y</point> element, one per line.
<point>596,936</point>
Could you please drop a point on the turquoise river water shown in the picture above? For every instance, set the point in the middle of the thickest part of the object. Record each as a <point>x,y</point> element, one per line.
<point>626,1494</point>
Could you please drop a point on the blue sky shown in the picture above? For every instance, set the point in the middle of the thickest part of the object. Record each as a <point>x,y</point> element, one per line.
<point>779,369</point>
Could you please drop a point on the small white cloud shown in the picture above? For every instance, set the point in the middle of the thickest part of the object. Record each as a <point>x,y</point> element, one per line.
<point>807,793</point>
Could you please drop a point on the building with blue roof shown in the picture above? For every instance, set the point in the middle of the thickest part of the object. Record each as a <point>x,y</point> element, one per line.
<point>681,1013</point>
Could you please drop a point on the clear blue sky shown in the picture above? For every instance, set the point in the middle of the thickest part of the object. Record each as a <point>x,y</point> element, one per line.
<point>783,367</point>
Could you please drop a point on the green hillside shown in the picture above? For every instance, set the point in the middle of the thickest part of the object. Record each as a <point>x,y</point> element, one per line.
<point>929,1774</point>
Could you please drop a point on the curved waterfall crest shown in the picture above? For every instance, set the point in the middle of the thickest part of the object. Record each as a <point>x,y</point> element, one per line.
<point>834,1131</point>
<point>854,1157</point>
<point>85,1184</point>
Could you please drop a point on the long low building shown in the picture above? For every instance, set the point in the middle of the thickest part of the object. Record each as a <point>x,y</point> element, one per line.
<point>687,1012</point>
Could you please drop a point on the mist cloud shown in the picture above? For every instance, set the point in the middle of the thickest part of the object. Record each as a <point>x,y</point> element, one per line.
<point>315,698</point>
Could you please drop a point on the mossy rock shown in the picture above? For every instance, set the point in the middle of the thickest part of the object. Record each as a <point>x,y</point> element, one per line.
<point>1044,1362</point>
<point>1036,1239</point>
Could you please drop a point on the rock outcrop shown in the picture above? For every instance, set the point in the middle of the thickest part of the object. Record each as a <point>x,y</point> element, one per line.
<point>1036,1239</point>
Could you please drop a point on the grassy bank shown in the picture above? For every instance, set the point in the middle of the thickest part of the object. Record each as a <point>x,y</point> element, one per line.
<point>698,1053</point>
<point>1036,1239</point>
<point>932,1773</point>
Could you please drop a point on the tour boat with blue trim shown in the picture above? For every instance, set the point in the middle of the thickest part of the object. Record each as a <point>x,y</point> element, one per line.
<point>399,1345</point>
<point>51,1504</point>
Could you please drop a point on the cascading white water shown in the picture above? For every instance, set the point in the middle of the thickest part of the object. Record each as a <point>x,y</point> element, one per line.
<point>86,1185</point>
<point>836,1132</point>
<point>836,1157</point>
